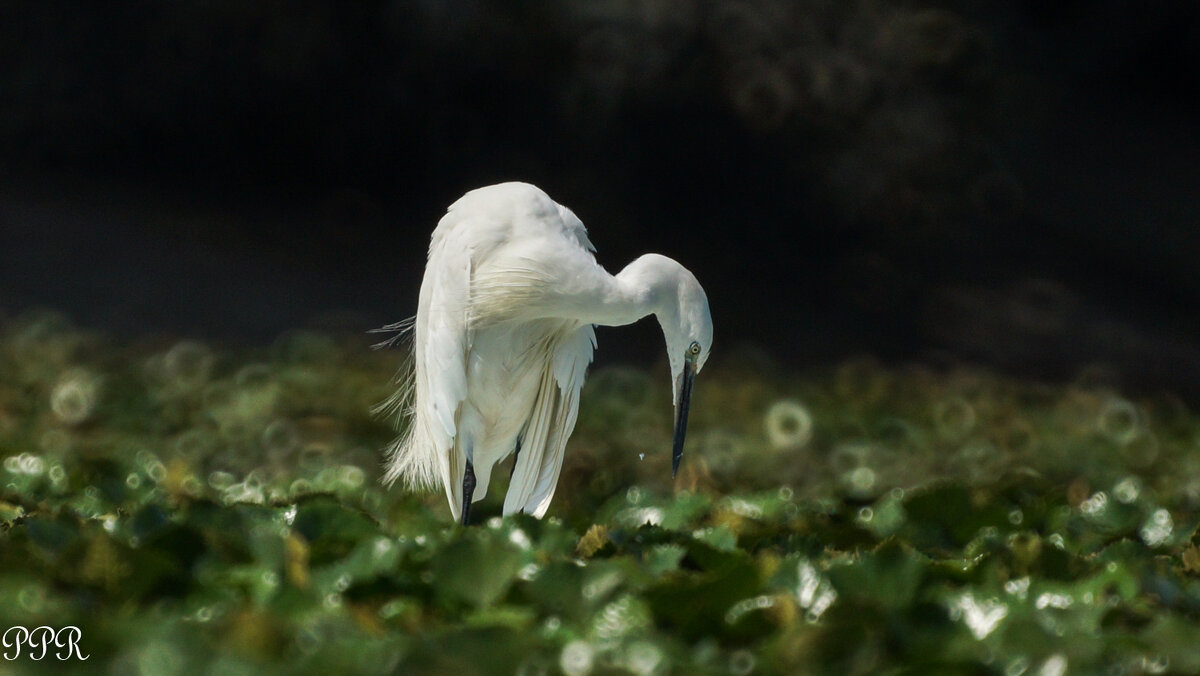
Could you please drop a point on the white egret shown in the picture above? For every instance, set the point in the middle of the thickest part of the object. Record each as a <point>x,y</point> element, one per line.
<point>503,338</point>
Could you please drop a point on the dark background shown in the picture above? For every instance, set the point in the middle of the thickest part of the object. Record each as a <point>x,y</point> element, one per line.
<point>1013,183</point>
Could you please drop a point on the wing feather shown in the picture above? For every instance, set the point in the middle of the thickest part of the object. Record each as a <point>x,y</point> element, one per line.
<point>540,462</point>
<point>423,455</point>
<point>534,441</point>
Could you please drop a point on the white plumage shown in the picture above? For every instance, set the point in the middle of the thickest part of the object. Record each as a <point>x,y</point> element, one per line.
<point>503,337</point>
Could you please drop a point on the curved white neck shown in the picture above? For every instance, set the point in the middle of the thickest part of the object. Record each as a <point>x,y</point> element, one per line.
<point>621,299</point>
<point>593,296</point>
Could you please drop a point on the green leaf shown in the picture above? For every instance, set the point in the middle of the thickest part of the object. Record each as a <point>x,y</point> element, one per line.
<point>696,604</point>
<point>888,577</point>
<point>476,570</point>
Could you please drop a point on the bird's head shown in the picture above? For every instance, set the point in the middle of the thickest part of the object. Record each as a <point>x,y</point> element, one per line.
<point>681,308</point>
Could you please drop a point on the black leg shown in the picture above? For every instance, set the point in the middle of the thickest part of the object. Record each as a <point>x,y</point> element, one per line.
<point>516,455</point>
<point>468,491</point>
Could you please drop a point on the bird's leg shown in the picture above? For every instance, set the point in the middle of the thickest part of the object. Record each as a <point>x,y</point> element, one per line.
<point>516,456</point>
<point>468,491</point>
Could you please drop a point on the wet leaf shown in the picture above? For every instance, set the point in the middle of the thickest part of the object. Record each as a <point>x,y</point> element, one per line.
<point>475,570</point>
<point>888,577</point>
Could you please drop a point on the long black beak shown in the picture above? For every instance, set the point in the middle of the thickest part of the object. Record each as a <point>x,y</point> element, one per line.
<point>681,414</point>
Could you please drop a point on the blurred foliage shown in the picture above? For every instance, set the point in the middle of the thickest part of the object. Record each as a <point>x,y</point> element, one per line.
<point>199,510</point>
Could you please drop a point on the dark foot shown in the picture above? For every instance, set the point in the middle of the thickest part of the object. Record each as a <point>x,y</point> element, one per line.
<point>516,455</point>
<point>468,491</point>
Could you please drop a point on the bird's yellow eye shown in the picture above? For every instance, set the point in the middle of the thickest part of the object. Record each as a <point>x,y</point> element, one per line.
<point>694,349</point>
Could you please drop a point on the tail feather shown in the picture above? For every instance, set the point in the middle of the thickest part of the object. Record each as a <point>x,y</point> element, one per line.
<point>409,457</point>
<point>402,331</point>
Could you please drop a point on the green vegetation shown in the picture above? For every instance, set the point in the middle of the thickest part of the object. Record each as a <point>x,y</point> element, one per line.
<point>194,510</point>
